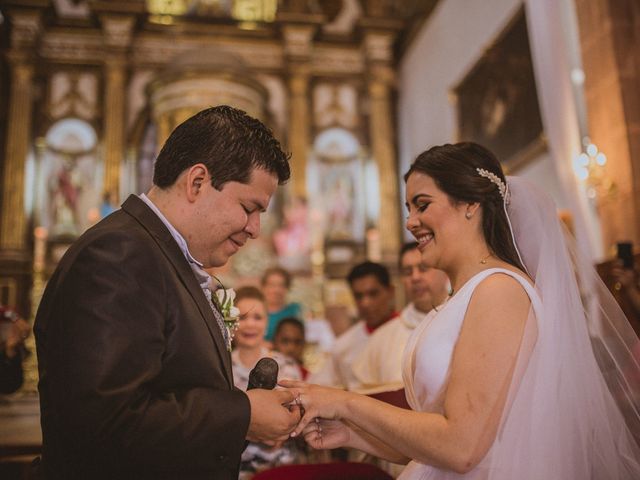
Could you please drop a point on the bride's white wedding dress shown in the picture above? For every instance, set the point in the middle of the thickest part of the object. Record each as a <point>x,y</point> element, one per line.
<point>574,398</point>
<point>427,359</point>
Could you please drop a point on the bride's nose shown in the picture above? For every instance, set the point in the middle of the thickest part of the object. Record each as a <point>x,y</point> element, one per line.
<point>412,222</point>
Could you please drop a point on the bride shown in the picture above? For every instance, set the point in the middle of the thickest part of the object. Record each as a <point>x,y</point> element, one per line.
<point>511,378</point>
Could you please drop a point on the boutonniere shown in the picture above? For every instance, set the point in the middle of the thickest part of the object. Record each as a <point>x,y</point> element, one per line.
<point>223,298</point>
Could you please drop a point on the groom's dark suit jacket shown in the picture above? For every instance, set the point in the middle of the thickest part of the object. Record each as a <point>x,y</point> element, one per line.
<point>135,378</point>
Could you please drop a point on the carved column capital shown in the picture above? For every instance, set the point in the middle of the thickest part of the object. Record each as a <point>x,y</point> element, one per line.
<point>117,30</point>
<point>26,26</point>
<point>298,40</point>
<point>378,46</point>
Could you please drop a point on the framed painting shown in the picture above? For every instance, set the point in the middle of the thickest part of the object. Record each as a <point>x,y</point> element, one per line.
<point>497,101</point>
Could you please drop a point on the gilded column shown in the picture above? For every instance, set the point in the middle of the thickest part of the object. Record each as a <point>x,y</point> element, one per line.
<point>113,124</point>
<point>298,46</point>
<point>381,133</point>
<point>13,227</point>
<point>299,130</point>
<point>117,32</point>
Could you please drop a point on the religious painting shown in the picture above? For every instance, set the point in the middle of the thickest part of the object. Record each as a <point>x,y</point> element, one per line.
<point>70,185</point>
<point>336,185</point>
<point>497,102</point>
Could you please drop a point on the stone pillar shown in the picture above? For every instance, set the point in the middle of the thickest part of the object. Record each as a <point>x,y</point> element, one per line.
<point>117,31</point>
<point>610,44</point>
<point>380,79</point>
<point>298,45</point>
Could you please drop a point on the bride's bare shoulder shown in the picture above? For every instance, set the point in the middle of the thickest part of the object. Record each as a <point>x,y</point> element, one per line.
<point>501,295</point>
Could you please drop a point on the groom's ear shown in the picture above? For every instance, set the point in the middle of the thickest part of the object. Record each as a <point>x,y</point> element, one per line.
<point>195,178</point>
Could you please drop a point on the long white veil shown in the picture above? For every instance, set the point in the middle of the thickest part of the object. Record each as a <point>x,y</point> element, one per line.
<point>573,405</point>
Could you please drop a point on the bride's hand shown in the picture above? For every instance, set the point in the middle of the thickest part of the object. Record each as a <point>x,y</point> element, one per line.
<point>327,434</point>
<point>316,401</point>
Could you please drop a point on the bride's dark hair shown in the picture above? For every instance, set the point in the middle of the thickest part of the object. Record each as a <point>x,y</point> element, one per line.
<point>453,168</point>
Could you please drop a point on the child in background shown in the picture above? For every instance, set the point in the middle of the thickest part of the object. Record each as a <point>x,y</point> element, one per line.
<point>289,340</point>
<point>249,347</point>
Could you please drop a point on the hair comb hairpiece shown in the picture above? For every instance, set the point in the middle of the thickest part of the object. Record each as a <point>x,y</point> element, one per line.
<point>493,178</point>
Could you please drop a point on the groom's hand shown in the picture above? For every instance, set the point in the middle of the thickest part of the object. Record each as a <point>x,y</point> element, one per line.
<point>271,419</point>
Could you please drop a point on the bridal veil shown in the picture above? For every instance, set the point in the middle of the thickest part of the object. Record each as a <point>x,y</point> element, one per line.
<point>573,406</point>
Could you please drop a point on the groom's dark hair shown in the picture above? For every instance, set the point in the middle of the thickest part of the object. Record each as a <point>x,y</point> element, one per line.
<point>228,141</point>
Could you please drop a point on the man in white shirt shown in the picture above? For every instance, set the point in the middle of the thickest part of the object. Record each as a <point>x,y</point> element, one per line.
<point>373,293</point>
<point>378,367</point>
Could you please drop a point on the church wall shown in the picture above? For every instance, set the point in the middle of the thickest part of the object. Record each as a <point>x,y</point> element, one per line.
<point>448,46</point>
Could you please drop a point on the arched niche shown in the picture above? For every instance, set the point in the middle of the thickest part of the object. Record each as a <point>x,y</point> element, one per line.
<point>198,80</point>
<point>70,179</point>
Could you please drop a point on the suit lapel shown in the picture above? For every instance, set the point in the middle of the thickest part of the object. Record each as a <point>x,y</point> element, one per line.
<point>157,229</point>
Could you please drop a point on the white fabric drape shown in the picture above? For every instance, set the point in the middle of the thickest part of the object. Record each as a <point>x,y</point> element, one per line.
<point>552,36</point>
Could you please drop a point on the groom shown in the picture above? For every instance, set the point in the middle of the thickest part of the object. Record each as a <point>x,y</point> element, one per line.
<point>134,363</point>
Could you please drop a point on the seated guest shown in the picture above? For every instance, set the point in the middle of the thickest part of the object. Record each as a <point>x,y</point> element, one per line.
<point>13,332</point>
<point>248,349</point>
<point>289,340</point>
<point>276,283</point>
<point>373,294</point>
<point>379,367</point>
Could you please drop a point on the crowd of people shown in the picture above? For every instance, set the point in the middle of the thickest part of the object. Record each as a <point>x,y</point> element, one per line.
<point>366,358</point>
<point>487,372</point>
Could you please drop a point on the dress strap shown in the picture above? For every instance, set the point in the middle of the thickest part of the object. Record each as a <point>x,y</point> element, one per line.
<point>521,279</point>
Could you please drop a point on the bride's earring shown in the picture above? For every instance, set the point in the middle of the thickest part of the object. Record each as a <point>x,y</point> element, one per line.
<point>468,215</point>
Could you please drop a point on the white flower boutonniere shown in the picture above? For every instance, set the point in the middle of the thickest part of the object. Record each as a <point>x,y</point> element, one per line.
<point>224,298</point>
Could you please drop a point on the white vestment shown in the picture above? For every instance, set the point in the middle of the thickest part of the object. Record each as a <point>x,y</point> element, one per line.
<point>378,368</point>
<point>337,371</point>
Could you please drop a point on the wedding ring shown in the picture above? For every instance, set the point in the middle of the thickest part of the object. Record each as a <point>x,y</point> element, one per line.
<point>297,400</point>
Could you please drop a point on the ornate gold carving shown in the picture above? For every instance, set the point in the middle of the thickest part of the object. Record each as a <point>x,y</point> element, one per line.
<point>255,55</point>
<point>26,27</point>
<point>298,39</point>
<point>178,95</point>
<point>381,134</point>
<point>379,46</point>
<point>72,47</point>
<point>13,226</point>
<point>299,133</point>
<point>73,94</point>
<point>337,60</point>
<point>255,10</point>
<point>335,104</point>
<point>117,30</point>
<point>114,120</point>
<point>167,7</point>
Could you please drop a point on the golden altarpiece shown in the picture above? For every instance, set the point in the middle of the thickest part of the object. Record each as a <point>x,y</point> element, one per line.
<point>90,90</point>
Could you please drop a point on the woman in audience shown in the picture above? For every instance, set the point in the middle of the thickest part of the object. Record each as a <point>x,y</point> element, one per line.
<point>276,283</point>
<point>248,349</point>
